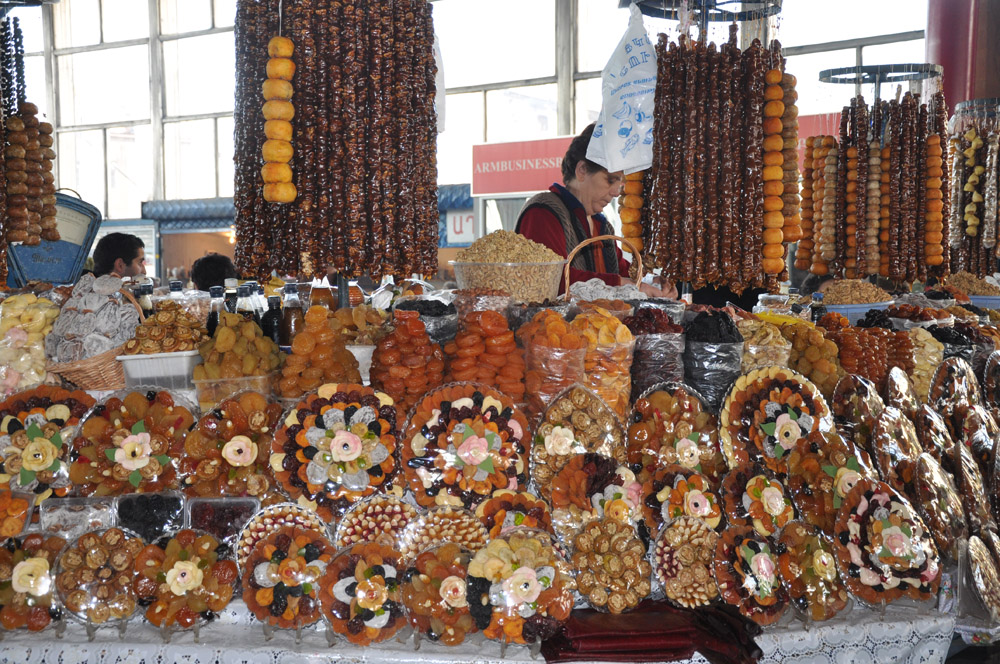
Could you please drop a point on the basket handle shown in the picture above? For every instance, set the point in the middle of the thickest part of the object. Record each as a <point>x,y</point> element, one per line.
<point>128,296</point>
<point>599,238</point>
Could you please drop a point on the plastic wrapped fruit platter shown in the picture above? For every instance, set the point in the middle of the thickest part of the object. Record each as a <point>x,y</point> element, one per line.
<point>281,578</point>
<point>130,443</point>
<point>95,573</point>
<point>27,591</point>
<point>227,453</point>
<point>462,442</point>
<point>808,569</point>
<point>186,579</point>
<point>883,548</point>
<point>746,569</point>
<point>336,447</point>
<point>434,594</point>
<point>360,593</point>
<point>766,413</point>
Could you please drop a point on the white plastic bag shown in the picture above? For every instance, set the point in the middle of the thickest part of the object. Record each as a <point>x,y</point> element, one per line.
<point>623,137</point>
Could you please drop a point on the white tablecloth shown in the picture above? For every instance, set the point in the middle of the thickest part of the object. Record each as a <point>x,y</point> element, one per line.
<point>861,637</point>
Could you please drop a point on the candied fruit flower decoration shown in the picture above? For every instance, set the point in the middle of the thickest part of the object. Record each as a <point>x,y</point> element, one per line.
<point>184,577</point>
<point>560,441</point>
<point>824,565</point>
<point>31,576</point>
<point>522,587</point>
<point>453,592</point>
<point>474,450</point>
<point>134,452</point>
<point>39,455</point>
<point>239,451</point>
<point>345,446</point>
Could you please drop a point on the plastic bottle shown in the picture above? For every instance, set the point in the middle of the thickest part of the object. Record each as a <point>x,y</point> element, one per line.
<point>292,316</point>
<point>176,289</point>
<point>244,305</point>
<point>216,309</point>
<point>322,296</point>
<point>818,309</point>
<point>232,293</point>
<point>270,322</point>
<point>145,292</point>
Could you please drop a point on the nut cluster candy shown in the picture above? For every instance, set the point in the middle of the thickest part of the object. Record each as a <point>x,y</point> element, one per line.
<point>612,572</point>
<point>484,352</point>
<point>608,361</point>
<point>405,363</point>
<point>682,562</point>
<point>94,575</point>
<point>318,356</point>
<point>169,330</point>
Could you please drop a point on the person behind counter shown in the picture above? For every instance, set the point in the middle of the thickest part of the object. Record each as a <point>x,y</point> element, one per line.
<point>567,214</point>
<point>212,270</point>
<point>120,255</point>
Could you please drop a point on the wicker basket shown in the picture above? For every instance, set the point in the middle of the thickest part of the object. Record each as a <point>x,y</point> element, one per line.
<point>100,372</point>
<point>637,265</point>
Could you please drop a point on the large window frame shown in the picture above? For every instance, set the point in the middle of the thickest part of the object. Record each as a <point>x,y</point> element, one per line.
<point>158,119</point>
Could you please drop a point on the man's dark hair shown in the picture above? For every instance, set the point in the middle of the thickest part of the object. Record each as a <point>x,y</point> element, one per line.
<point>812,283</point>
<point>113,246</point>
<point>576,153</point>
<point>212,270</point>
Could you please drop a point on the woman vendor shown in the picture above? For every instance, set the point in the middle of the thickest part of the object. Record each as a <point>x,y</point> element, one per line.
<point>566,215</point>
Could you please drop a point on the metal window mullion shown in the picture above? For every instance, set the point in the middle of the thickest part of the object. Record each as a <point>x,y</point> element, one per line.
<point>215,135</point>
<point>157,97</point>
<point>101,125</point>
<point>859,60</point>
<point>51,74</point>
<point>197,33</point>
<point>489,87</point>
<point>100,20</point>
<point>853,43</point>
<point>565,59</point>
<point>72,50</point>
<point>107,184</point>
<point>167,119</point>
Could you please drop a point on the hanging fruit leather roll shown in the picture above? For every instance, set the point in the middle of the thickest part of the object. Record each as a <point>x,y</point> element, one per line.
<point>712,201</point>
<point>753,168</point>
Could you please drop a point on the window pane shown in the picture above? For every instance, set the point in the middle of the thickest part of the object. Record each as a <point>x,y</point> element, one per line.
<point>512,48</point>
<point>227,171</point>
<point>588,102</point>
<point>189,159</point>
<point>816,97</point>
<point>34,81</point>
<point>463,129</point>
<point>130,170</point>
<point>799,22</point>
<point>899,53</point>
<point>192,87</point>
<point>31,27</point>
<point>81,164</point>
<point>83,85</point>
<point>225,13</point>
<point>521,114</point>
<point>77,23</point>
<point>125,19</point>
<point>185,16</point>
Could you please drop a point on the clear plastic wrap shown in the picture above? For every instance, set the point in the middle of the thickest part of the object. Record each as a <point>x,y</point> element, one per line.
<point>518,589</point>
<point>95,319</point>
<point>763,345</point>
<point>746,569</point>
<point>751,496</point>
<point>710,368</point>
<point>609,560</point>
<point>673,308</point>
<point>440,524</point>
<point>970,485</point>
<point>462,441</point>
<point>670,424</point>
<point>434,593</point>
<point>590,486</point>
<point>934,437</point>
<point>506,509</point>
<point>150,515</point>
<point>270,520</point>
<point>894,449</point>
<point>222,518</point>
<point>379,518</point>
<point>675,491</point>
<point>440,328</point>
<point>284,574</point>
<point>227,453</point>
<point>29,598</point>
<point>809,571</point>
<point>939,504</point>
<point>576,421</point>
<point>608,361</point>
<point>856,406</point>
<point>520,313</point>
<point>195,302</point>
<point>95,576</point>
<point>657,358</point>
<point>983,579</point>
<point>25,320</point>
<point>683,557</point>
<point>360,593</point>
<point>786,407</point>
<point>131,442</point>
<point>977,429</point>
<point>899,393</point>
<point>548,372</point>
<point>185,580</point>
<point>991,379</point>
<point>72,517</point>
<point>822,470</point>
<point>477,299</point>
<point>954,384</point>
<point>928,353</point>
<point>337,446</point>
<point>883,549</point>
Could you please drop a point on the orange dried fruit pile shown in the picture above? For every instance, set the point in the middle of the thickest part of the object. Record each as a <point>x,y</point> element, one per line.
<point>554,353</point>
<point>608,361</point>
<point>319,356</point>
<point>484,352</point>
<point>406,364</point>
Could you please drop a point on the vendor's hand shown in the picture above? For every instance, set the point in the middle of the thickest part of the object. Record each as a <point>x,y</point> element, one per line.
<point>668,288</point>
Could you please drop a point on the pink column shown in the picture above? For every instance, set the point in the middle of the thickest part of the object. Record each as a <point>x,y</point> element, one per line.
<point>951,43</point>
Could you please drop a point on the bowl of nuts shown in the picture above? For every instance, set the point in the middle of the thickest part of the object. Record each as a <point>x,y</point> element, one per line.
<point>526,282</point>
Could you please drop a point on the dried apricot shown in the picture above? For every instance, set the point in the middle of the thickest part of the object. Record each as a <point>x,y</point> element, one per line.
<point>303,343</point>
<point>225,339</point>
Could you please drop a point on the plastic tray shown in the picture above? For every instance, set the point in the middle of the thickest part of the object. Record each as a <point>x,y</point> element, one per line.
<point>855,312</point>
<point>211,392</point>
<point>168,370</point>
<point>986,301</point>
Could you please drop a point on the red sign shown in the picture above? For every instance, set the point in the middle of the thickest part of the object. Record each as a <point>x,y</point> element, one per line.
<point>517,168</point>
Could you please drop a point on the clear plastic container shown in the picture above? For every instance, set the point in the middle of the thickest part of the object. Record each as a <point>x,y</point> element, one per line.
<point>363,354</point>
<point>71,517</point>
<point>168,370</point>
<point>223,518</point>
<point>211,392</point>
<point>855,312</point>
<point>526,282</point>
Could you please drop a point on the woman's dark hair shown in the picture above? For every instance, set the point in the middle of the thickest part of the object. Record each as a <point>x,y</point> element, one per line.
<point>113,246</point>
<point>812,283</point>
<point>577,152</point>
<point>212,270</point>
